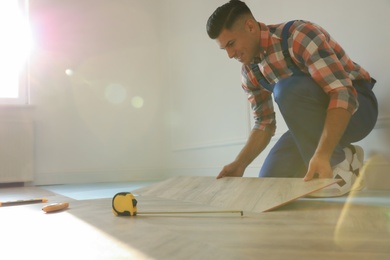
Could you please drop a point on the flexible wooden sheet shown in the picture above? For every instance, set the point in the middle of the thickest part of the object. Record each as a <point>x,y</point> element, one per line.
<point>248,194</point>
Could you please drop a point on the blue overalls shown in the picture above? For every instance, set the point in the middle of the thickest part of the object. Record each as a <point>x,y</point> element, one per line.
<point>303,105</point>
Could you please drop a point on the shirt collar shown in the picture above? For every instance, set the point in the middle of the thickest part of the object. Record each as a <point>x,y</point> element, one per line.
<point>264,42</point>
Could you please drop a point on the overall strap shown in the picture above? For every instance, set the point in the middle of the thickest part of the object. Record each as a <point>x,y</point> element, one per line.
<point>285,35</point>
<point>290,63</point>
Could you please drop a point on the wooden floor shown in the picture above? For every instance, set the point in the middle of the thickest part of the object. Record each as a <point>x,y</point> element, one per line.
<point>354,227</point>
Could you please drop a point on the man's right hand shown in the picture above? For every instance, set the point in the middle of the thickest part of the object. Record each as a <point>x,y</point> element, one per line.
<point>256,143</point>
<point>233,169</point>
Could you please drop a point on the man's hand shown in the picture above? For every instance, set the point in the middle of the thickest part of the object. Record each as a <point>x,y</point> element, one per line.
<point>256,143</point>
<point>335,124</point>
<point>233,169</point>
<point>320,166</point>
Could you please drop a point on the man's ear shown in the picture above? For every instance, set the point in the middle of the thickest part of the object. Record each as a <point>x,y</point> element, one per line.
<point>250,25</point>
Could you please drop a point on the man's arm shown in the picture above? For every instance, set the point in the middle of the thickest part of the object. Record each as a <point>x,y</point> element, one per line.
<point>335,124</point>
<point>256,143</point>
<point>315,50</point>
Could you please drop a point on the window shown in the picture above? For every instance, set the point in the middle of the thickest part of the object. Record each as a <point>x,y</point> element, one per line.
<point>15,44</point>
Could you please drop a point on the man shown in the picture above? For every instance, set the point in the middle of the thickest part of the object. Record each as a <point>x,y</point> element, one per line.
<point>325,98</point>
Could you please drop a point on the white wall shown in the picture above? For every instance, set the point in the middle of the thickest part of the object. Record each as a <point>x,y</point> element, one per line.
<point>87,128</point>
<point>195,116</point>
<point>210,122</point>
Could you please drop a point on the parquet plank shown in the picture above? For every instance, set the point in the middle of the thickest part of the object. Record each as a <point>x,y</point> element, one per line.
<point>248,194</point>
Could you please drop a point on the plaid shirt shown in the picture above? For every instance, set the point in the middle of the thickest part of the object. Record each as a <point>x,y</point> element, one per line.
<point>316,53</point>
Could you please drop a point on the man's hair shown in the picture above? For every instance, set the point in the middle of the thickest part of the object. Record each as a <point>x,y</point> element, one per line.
<point>225,16</point>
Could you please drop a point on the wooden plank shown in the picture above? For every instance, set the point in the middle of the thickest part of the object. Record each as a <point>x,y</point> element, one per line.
<point>248,194</point>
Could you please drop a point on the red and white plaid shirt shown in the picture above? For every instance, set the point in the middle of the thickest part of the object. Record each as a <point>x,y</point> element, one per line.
<point>316,53</point>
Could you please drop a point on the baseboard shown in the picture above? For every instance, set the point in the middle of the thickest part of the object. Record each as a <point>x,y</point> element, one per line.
<point>146,174</point>
<point>98,176</point>
<point>194,171</point>
<point>251,171</point>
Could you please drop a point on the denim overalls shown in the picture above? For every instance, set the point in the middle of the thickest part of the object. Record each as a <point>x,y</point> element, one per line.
<point>303,105</point>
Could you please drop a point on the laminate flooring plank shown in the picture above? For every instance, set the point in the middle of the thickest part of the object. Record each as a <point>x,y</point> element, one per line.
<point>247,194</point>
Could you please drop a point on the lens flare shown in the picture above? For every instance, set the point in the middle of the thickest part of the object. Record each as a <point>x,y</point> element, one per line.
<point>116,93</point>
<point>69,72</point>
<point>137,102</point>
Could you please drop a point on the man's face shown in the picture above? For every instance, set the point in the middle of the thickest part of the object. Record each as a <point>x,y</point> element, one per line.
<point>240,43</point>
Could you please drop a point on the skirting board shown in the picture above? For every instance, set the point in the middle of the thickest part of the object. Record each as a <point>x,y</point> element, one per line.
<point>247,194</point>
<point>99,175</point>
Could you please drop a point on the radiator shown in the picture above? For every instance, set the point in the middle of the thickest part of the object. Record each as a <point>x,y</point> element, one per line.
<point>16,151</point>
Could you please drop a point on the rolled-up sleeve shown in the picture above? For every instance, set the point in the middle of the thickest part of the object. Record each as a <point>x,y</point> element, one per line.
<point>260,100</point>
<point>325,60</point>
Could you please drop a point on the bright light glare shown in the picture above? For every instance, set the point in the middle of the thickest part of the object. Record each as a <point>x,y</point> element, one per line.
<point>69,72</point>
<point>15,45</point>
<point>58,236</point>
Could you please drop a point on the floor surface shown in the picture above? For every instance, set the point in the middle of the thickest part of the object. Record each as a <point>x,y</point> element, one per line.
<point>351,227</point>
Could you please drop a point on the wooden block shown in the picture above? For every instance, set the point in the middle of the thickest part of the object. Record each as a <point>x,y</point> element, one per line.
<point>247,194</point>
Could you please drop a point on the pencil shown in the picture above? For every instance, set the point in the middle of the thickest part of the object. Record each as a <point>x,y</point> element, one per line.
<point>21,202</point>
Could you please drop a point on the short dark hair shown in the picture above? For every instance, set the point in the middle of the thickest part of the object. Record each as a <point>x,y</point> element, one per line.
<point>225,16</point>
